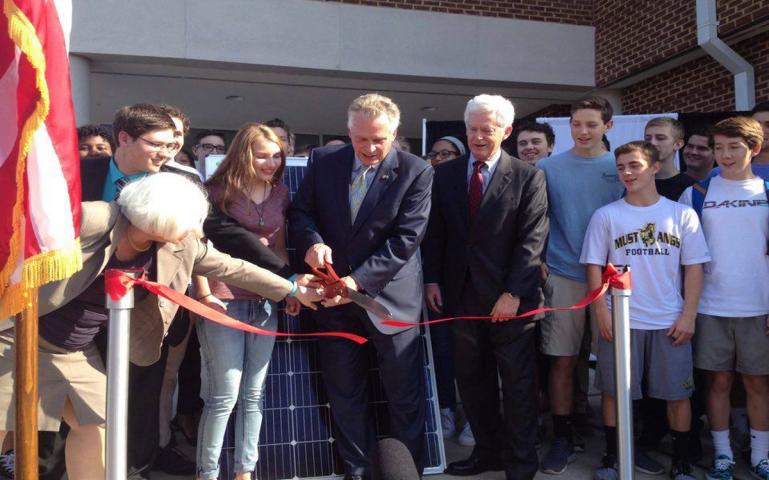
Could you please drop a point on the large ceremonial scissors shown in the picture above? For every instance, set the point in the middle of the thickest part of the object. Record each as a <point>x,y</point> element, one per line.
<point>334,286</point>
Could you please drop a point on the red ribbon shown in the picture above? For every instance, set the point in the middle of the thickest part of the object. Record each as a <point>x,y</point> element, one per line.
<point>117,284</point>
<point>610,278</point>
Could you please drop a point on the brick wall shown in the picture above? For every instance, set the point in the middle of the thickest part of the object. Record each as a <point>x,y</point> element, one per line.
<point>632,36</point>
<point>699,86</point>
<point>577,12</point>
<point>736,14</point>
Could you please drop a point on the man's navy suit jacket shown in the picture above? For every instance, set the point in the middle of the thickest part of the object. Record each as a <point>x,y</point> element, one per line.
<point>380,250</point>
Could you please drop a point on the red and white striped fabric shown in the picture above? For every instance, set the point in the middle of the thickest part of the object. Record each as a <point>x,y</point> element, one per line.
<point>39,163</point>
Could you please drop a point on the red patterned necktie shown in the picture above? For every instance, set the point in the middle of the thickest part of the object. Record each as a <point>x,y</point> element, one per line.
<point>476,189</point>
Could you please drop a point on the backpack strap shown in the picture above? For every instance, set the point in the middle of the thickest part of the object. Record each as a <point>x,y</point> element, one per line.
<point>699,190</point>
<point>766,191</point>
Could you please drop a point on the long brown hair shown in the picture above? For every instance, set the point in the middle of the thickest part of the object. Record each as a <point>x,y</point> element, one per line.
<point>236,173</point>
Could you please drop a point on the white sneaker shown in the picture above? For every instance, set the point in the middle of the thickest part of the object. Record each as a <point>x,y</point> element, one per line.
<point>466,438</point>
<point>448,422</point>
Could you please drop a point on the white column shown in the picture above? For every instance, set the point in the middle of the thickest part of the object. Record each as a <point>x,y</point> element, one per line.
<point>80,75</point>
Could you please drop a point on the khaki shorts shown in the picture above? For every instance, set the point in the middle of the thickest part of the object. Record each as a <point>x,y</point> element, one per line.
<point>79,376</point>
<point>562,331</point>
<point>666,369</point>
<point>729,344</point>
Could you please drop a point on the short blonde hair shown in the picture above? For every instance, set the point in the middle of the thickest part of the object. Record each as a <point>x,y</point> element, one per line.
<point>676,127</point>
<point>374,105</point>
<point>165,204</point>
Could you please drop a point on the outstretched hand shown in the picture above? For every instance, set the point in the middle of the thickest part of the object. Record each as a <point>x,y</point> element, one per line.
<point>293,307</point>
<point>338,299</point>
<point>308,296</point>
<point>318,255</point>
<point>308,280</point>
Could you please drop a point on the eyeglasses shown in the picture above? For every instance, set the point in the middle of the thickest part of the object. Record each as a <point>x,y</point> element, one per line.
<point>209,147</point>
<point>443,154</point>
<point>168,147</point>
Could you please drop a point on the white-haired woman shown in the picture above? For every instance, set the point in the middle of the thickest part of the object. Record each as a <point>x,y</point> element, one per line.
<point>155,225</point>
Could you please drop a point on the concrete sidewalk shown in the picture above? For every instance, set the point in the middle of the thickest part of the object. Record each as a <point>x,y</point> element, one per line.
<point>582,469</point>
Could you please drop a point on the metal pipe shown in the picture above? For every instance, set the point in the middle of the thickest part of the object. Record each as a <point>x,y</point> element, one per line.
<point>117,382</point>
<point>620,310</point>
<point>707,38</point>
<point>424,137</point>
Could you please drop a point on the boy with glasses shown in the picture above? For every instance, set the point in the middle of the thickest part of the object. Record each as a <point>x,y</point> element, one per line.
<point>207,142</point>
<point>145,138</point>
<point>284,132</point>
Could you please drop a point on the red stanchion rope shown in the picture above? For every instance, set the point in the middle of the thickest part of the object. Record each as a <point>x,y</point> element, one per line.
<point>610,278</point>
<point>117,284</point>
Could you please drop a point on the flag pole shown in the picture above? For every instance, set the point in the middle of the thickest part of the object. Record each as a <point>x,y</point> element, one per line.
<point>25,388</point>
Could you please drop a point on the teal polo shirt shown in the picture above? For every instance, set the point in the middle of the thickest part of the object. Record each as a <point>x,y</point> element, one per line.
<point>110,189</point>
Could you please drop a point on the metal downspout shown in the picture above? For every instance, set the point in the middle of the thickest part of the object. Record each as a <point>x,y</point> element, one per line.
<point>707,38</point>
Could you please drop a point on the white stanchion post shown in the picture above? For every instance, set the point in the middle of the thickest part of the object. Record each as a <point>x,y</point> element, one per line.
<point>620,309</point>
<point>117,382</point>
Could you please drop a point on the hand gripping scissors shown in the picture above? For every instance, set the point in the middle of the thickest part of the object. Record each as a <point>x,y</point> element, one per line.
<point>334,286</point>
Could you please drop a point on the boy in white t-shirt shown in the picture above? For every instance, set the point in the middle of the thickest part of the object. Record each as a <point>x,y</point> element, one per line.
<point>655,236</point>
<point>732,325</point>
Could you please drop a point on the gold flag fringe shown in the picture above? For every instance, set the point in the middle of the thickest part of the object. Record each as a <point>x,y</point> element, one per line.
<point>39,270</point>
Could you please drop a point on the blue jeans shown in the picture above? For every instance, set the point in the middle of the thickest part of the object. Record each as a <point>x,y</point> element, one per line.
<point>233,368</point>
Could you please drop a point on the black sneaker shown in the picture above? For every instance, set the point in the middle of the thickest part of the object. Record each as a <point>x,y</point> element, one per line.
<point>644,463</point>
<point>561,453</point>
<point>577,440</point>
<point>173,461</point>
<point>608,469</point>
<point>7,462</point>
<point>682,471</point>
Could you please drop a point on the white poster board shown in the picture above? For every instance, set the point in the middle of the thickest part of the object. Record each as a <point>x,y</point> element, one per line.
<point>212,162</point>
<point>626,129</point>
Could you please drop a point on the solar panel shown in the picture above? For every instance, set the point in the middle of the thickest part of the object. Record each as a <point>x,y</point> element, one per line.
<point>296,440</point>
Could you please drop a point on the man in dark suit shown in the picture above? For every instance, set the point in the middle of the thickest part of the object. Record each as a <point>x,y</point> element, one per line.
<point>364,207</point>
<point>486,233</point>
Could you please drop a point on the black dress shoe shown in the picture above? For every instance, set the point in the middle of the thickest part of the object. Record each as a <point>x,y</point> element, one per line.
<point>355,477</point>
<point>473,466</point>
